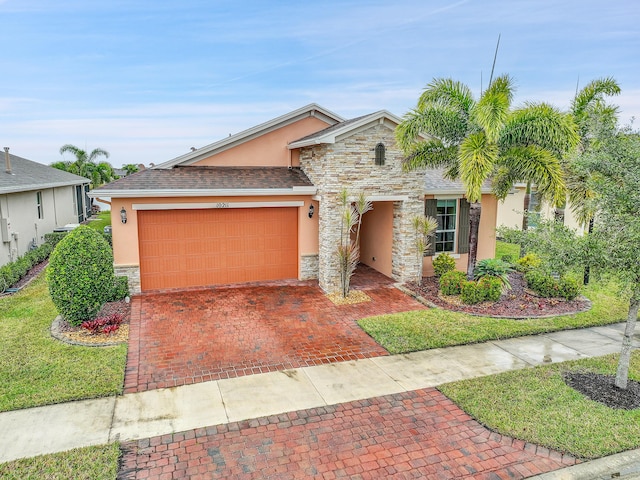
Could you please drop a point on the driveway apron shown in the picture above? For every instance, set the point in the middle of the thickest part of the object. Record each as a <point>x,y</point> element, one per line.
<point>179,338</point>
<point>418,434</point>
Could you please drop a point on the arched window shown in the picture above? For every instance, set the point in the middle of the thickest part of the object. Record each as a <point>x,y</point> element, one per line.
<point>380,154</point>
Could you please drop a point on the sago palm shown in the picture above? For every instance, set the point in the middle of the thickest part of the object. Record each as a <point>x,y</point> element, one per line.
<point>484,139</point>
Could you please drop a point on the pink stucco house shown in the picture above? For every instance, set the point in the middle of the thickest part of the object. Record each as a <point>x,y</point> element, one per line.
<point>262,205</point>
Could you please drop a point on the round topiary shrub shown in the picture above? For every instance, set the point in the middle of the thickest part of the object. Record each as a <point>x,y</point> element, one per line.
<point>80,275</point>
<point>443,263</point>
<point>451,282</point>
<point>470,294</point>
<point>568,287</point>
<point>491,288</point>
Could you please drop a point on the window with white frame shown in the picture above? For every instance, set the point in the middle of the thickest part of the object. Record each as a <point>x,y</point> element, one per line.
<point>446,232</point>
<point>39,205</point>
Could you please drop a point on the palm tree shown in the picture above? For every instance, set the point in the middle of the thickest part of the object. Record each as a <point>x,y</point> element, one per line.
<point>478,140</point>
<point>595,119</point>
<point>130,168</point>
<point>85,166</point>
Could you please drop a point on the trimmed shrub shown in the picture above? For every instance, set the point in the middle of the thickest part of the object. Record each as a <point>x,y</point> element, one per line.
<point>120,288</point>
<point>470,293</point>
<point>443,263</point>
<point>451,282</point>
<point>542,283</point>
<point>54,237</point>
<point>528,262</point>
<point>568,287</point>
<point>491,288</point>
<point>80,275</point>
<point>493,267</point>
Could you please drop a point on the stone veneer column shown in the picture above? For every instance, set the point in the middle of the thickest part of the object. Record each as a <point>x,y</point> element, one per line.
<point>404,262</point>
<point>133,274</point>
<point>329,217</point>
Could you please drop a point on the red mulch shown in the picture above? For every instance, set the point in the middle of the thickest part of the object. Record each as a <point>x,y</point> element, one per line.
<point>517,302</point>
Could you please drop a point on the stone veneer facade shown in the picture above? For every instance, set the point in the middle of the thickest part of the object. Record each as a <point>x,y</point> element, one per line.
<point>133,274</point>
<point>350,163</point>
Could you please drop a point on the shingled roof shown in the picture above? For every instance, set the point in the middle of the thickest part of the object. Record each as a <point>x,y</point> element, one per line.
<point>435,182</point>
<point>209,180</point>
<point>27,175</point>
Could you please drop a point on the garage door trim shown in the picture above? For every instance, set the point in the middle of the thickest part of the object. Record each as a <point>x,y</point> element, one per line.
<point>198,206</point>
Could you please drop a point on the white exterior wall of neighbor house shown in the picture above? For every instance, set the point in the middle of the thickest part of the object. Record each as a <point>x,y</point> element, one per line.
<point>350,164</point>
<point>510,212</point>
<point>21,210</point>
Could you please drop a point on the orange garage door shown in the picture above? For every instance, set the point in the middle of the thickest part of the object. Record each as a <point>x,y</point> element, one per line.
<point>188,248</point>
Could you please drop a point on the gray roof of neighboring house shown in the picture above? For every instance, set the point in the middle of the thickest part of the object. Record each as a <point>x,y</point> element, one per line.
<point>435,183</point>
<point>27,175</point>
<point>206,179</point>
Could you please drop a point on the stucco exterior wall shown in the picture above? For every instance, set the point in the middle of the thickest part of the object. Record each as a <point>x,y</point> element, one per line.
<point>510,212</point>
<point>268,150</point>
<point>350,163</point>
<point>21,210</point>
<point>376,237</point>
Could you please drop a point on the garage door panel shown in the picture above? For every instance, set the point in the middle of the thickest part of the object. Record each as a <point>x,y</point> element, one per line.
<point>189,248</point>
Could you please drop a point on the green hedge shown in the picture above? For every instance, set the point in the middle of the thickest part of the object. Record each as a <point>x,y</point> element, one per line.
<point>12,272</point>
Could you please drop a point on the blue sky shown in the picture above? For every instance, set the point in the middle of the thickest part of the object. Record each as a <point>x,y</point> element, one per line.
<point>147,80</point>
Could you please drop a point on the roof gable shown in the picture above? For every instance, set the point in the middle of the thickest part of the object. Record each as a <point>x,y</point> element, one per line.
<point>311,110</point>
<point>346,128</point>
<point>27,175</point>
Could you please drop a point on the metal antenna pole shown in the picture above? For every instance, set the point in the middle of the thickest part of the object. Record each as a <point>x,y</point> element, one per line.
<point>494,61</point>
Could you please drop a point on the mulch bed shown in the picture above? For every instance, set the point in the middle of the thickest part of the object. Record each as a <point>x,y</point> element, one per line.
<point>79,335</point>
<point>602,389</point>
<point>519,302</point>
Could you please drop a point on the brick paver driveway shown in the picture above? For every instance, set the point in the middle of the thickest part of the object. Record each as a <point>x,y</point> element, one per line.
<point>419,434</point>
<point>194,336</point>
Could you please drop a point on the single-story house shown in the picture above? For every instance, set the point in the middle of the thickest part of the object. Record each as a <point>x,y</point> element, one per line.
<point>36,199</point>
<point>511,210</point>
<point>263,205</point>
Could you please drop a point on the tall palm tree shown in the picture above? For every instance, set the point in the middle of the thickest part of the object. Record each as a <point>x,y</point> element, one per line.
<point>85,166</point>
<point>595,120</point>
<point>477,140</point>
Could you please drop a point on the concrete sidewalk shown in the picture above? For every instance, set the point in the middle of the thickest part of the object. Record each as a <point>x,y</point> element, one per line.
<point>55,428</point>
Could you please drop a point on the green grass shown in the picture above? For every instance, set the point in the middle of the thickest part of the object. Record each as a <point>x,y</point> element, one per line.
<point>434,328</point>
<point>536,405</point>
<point>503,248</point>
<point>90,463</point>
<point>36,369</point>
<point>101,220</point>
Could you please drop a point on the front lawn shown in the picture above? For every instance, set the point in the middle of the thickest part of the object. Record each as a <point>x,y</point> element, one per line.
<point>434,328</point>
<point>536,405</point>
<point>100,221</point>
<point>510,249</point>
<point>90,463</point>
<point>36,369</point>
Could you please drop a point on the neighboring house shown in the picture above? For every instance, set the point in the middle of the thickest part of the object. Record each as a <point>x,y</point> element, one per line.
<point>36,199</point>
<point>263,205</point>
<point>511,211</point>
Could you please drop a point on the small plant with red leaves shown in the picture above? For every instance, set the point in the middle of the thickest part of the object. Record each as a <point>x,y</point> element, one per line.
<point>106,325</point>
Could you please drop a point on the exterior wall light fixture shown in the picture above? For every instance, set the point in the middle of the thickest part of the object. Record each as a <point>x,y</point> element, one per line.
<point>311,210</point>
<point>123,215</point>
